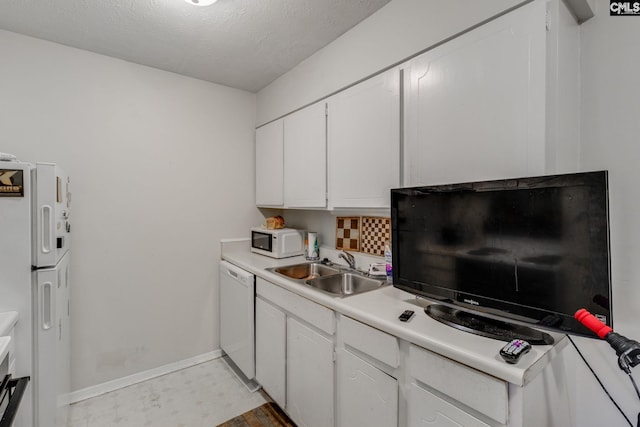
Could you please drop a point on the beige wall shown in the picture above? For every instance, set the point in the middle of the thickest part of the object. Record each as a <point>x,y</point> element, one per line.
<point>610,129</point>
<point>162,168</point>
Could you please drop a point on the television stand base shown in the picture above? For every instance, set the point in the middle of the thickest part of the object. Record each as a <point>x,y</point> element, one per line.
<point>485,326</point>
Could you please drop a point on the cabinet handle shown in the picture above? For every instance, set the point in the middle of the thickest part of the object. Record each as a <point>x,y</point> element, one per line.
<point>45,295</point>
<point>46,228</point>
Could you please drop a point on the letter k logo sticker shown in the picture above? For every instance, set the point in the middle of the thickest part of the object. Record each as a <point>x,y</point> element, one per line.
<point>5,177</point>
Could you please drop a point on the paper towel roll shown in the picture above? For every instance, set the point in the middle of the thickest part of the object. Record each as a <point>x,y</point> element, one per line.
<point>313,253</point>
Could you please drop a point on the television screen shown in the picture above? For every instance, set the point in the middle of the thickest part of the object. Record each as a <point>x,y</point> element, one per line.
<point>534,250</point>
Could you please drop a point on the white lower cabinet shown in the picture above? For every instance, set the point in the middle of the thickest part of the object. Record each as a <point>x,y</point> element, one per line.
<point>368,365</point>
<point>329,370</point>
<point>309,376</point>
<point>295,354</point>
<point>366,395</point>
<point>271,343</point>
<point>460,383</point>
<point>427,409</point>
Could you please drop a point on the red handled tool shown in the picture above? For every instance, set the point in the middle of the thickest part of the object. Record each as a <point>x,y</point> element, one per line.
<point>628,351</point>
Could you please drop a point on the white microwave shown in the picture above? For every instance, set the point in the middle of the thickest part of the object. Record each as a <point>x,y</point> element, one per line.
<point>280,243</point>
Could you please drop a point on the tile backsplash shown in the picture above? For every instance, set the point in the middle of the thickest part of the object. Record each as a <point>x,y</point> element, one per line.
<point>374,233</point>
<point>363,234</point>
<point>348,233</point>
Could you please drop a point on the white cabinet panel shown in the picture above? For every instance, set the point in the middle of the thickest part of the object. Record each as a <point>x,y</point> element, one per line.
<point>309,376</point>
<point>271,350</point>
<point>477,390</point>
<point>305,158</point>
<point>317,315</point>
<point>563,89</point>
<point>475,106</point>
<point>270,164</point>
<point>371,341</point>
<point>366,395</point>
<point>364,142</point>
<point>428,410</point>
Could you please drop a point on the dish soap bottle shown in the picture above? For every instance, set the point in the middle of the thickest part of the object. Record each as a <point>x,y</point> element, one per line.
<point>387,261</point>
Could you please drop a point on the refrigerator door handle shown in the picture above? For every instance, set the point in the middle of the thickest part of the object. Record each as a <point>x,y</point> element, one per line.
<point>46,309</point>
<point>46,228</point>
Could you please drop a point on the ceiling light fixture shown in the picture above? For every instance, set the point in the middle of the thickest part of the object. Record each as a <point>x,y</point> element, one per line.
<point>201,2</point>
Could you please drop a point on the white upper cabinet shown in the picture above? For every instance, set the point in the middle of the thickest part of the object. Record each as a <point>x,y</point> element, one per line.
<point>499,101</point>
<point>269,164</point>
<point>475,106</point>
<point>305,158</point>
<point>364,143</point>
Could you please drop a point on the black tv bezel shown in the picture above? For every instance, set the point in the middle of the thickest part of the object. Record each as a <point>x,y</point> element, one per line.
<point>491,307</point>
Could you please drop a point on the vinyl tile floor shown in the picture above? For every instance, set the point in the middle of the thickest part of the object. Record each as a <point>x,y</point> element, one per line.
<point>203,395</point>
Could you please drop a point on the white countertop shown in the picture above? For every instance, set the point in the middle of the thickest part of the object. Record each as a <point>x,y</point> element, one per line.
<point>8,320</point>
<point>380,308</point>
<point>4,347</point>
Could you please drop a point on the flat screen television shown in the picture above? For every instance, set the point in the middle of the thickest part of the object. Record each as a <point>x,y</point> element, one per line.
<point>530,250</point>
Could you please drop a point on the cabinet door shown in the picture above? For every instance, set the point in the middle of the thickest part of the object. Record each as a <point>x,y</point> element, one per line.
<point>366,395</point>
<point>427,409</point>
<point>269,164</point>
<point>364,143</point>
<point>305,158</point>
<point>309,376</point>
<point>475,105</point>
<point>270,350</point>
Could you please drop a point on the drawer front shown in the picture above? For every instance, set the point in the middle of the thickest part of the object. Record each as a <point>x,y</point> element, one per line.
<point>371,341</point>
<point>427,409</point>
<point>317,315</point>
<point>484,393</point>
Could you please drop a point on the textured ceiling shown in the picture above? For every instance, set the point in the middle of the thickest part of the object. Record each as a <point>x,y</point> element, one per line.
<point>244,44</point>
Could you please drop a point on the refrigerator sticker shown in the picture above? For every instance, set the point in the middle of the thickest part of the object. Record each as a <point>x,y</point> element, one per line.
<point>11,183</point>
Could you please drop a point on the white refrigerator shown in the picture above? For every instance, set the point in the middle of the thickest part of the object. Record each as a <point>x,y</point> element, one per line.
<point>34,281</point>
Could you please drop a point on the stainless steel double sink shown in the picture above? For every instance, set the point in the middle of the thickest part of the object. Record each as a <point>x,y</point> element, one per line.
<point>333,279</point>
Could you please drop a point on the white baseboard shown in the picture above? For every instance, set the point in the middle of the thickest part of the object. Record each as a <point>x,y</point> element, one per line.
<point>97,390</point>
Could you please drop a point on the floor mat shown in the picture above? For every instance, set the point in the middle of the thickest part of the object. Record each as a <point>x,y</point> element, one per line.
<point>267,415</point>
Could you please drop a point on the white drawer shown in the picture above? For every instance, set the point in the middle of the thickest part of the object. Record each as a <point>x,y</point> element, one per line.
<point>370,341</point>
<point>477,390</point>
<point>317,315</point>
<point>425,408</point>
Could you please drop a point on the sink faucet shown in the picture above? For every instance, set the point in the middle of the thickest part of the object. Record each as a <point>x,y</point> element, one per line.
<point>348,258</point>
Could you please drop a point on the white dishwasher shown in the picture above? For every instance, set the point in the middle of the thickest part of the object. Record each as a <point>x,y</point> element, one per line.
<point>237,326</point>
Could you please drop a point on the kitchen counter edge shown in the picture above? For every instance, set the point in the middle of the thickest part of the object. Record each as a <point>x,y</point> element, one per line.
<point>380,309</point>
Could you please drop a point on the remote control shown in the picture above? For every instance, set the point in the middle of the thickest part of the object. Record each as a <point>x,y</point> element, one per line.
<point>512,352</point>
<point>406,315</point>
